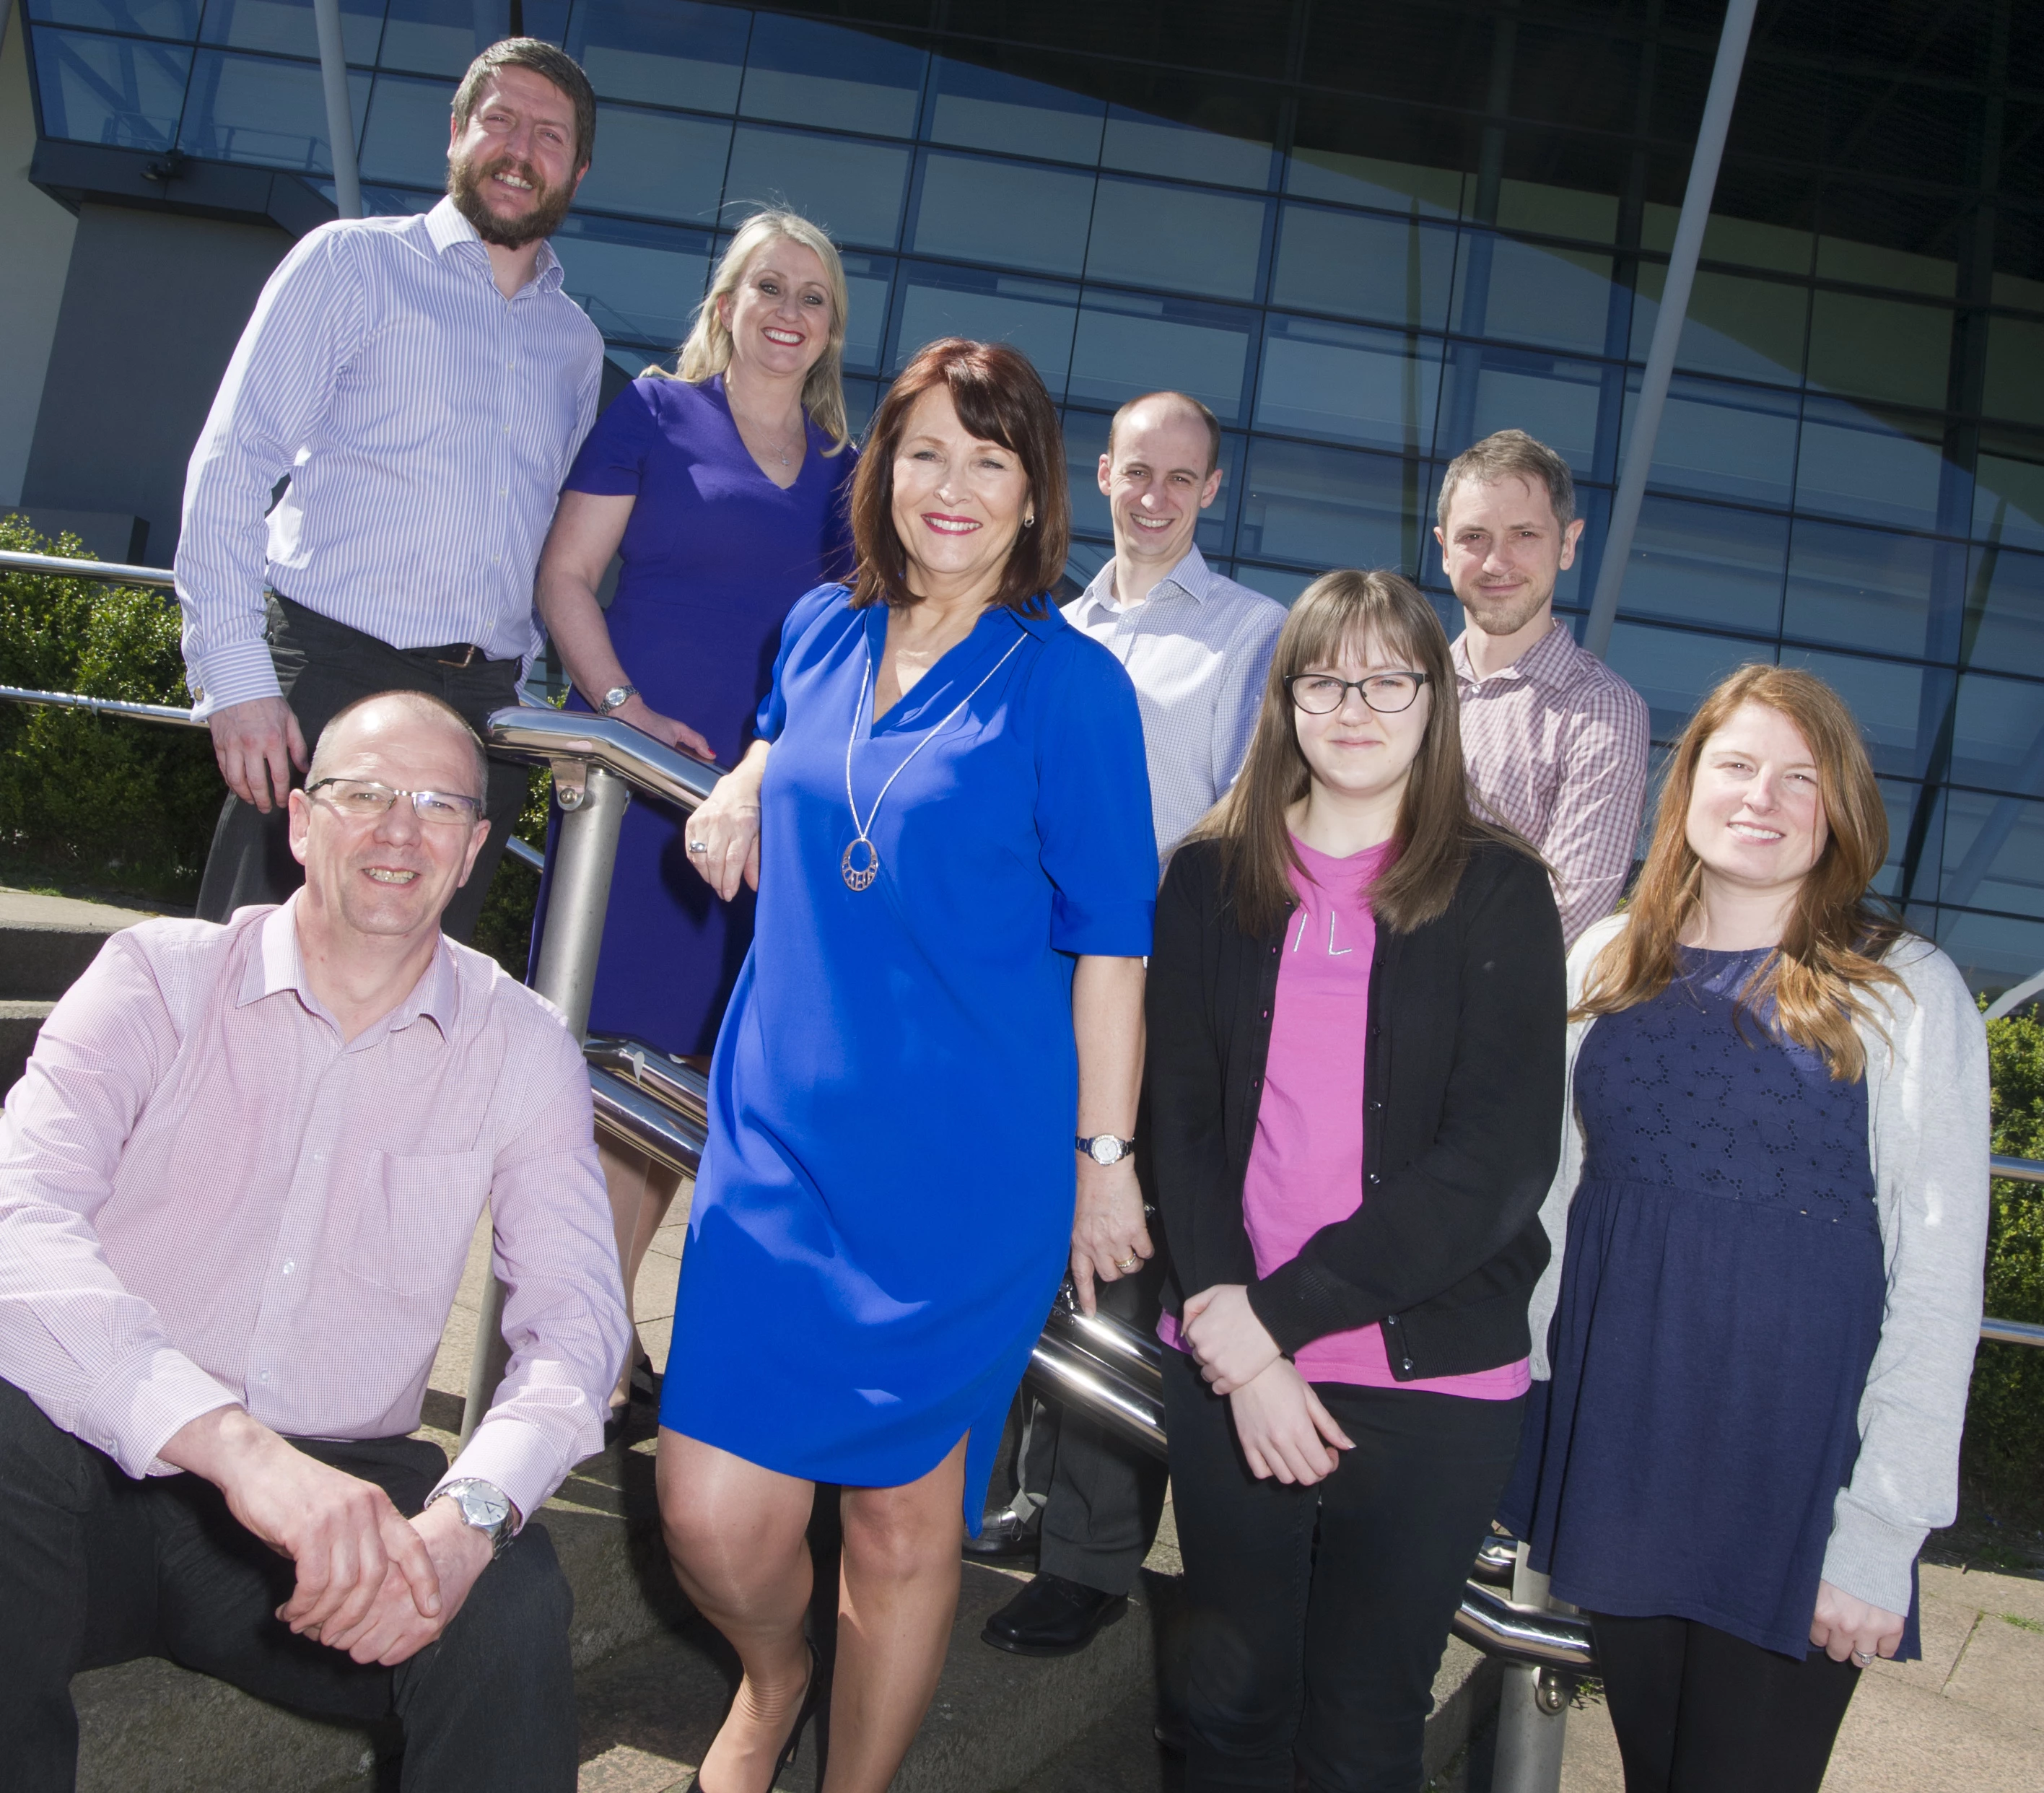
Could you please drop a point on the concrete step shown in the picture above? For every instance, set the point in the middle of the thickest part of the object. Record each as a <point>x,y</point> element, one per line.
<point>45,942</point>
<point>20,1023</point>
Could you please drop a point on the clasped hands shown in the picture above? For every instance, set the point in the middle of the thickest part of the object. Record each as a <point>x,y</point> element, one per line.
<point>1283,1427</point>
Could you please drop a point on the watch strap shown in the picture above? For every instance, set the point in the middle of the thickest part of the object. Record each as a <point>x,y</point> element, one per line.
<point>616,698</point>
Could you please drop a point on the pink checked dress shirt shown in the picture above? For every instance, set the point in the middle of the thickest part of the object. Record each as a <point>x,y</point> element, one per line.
<point>206,1198</point>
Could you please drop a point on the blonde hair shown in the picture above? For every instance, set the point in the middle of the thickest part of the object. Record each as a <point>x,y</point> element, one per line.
<point>707,352</point>
<point>1819,979</point>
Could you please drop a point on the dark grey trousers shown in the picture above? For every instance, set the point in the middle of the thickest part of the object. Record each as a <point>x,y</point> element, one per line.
<point>97,1569</point>
<point>322,666</point>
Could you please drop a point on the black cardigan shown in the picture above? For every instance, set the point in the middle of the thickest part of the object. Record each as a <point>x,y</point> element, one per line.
<point>1464,1087</point>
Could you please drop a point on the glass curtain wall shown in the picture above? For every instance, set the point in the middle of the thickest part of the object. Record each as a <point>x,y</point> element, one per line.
<point>1366,236</point>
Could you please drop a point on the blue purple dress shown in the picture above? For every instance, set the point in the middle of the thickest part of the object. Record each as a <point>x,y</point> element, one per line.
<point>885,1207</point>
<point>713,557</point>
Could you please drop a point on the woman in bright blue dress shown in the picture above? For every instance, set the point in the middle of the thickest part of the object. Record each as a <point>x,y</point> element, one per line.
<point>948,817</point>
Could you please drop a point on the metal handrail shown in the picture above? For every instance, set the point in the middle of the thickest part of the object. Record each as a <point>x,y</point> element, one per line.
<point>105,707</point>
<point>110,572</point>
<point>571,739</point>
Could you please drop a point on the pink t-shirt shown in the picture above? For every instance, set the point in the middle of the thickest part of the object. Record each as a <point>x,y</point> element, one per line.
<point>1305,1166</point>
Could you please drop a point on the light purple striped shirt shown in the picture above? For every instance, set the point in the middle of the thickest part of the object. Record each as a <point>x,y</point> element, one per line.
<point>426,422</point>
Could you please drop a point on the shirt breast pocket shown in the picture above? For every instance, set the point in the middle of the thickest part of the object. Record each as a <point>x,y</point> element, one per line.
<point>418,1212</point>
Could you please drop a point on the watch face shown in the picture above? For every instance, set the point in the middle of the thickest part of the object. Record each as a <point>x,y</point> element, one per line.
<point>1104,1150</point>
<point>482,1508</point>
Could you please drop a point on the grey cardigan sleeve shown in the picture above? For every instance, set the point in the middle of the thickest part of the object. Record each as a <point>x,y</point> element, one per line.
<point>1927,1101</point>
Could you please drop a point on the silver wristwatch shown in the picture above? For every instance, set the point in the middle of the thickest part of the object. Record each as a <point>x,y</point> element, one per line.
<point>1105,1148</point>
<point>616,698</point>
<point>484,1505</point>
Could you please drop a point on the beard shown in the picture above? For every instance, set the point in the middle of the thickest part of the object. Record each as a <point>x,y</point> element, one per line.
<point>467,184</point>
<point>1507,617</point>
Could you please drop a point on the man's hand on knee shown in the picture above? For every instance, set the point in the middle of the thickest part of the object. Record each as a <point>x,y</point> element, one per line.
<point>256,744</point>
<point>343,1533</point>
<point>395,1627</point>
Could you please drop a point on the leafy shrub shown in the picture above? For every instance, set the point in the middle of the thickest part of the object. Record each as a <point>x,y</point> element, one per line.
<point>2004,1446</point>
<point>504,929</point>
<point>98,800</point>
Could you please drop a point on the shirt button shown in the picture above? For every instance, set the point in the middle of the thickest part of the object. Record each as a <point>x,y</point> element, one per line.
<point>1375,1178</point>
<point>262,1376</point>
<point>290,1264</point>
<point>1266,1014</point>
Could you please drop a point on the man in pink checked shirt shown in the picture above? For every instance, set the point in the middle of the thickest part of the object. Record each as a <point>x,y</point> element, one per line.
<point>238,1181</point>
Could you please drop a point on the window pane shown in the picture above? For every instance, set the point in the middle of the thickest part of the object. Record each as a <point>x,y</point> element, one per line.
<point>1560,298</point>
<point>1851,464</point>
<point>823,75</point>
<point>1993,953</point>
<point>1492,389</point>
<point>1673,669</point>
<point>406,136</point>
<point>1703,563</point>
<point>1377,387</point>
<point>2008,488</point>
<point>1284,583</point>
<point>1998,734</point>
<point>1327,507</point>
<point>1864,587</point>
<point>1128,345</point>
<point>657,165</point>
<point>665,52</point>
<point>1994,853</point>
<point>984,109</point>
<point>2015,369</point>
<point>2008,589</point>
<point>110,89</point>
<point>851,191</point>
<point>145,18</point>
<point>1389,270</point>
<point>1749,329</point>
<point>1722,441</point>
<point>251,109</point>
<point>868,280</point>
<point>1900,799</point>
<point>285,27</point>
<point>1148,145</point>
<point>1881,348</point>
<point>637,282</point>
<point>1901,708</point>
<point>1005,212</point>
<point>1086,441</point>
<point>1363,180</point>
<point>1035,316</point>
<point>441,36</point>
<point>1557,211</point>
<point>1178,239</point>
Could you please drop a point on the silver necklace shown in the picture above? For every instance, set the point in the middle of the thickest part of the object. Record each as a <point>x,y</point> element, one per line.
<point>858,877</point>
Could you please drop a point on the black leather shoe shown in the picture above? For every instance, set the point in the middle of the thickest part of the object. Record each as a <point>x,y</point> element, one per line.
<point>1053,1616</point>
<point>1003,1537</point>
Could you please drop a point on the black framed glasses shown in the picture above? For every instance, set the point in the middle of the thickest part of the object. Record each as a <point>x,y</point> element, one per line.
<point>1321,694</point>
<point>365,800</point>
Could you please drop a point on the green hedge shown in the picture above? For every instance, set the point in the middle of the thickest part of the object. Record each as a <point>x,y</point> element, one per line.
<point>2005,1447</point>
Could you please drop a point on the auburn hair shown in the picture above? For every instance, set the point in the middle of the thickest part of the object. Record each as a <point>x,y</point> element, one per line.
<point>999,398</point>
<point>1436,826</point>
<point>1819,980</point>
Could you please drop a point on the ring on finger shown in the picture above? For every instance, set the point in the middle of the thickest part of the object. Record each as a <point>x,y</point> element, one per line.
<point>1125,1266</point>
<point>1864,1658</point>
<point>699,846</point>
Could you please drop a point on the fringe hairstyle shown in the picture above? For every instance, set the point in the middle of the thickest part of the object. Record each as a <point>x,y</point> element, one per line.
<point>1436,827</point>
<point>707,353</point>
<point>1818,980</point>
<point>1000,398</point>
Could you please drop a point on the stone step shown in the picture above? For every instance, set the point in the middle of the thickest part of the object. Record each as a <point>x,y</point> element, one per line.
<point>45,942</point>
<point>20,1023</point>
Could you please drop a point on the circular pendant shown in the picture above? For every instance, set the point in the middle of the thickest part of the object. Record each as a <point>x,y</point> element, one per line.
<point>858,877</point>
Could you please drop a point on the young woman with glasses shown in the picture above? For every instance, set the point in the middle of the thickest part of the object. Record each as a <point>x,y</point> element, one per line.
<point>1355,1016</point>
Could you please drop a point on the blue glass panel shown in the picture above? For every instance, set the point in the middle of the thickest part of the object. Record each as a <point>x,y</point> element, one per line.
<point>1747,328</point>
<point>2008,497</point>
<point>664,52</point>
<point>1145,144</point>
<point>1866,588</point>
<point>1036,315</point>
<point>2005,597</point>
<point>985,108</point>
<point>443,36</point>
<point>636,281</point>
<point>1703,563</point>
<point>176,19</point>
<point>1128,345</point>
<point>1881,348</point>
<point>1389,270</point>
<point>389,201</point>
<point>1377,387</point>
<point>254,109</point>
<point>1176,238</point>
<point>1084,560</point>
<point>807,73</point>
<point>1364,180</point>
<point>406,137</point>
<point>632,363</point>
<point>1993,953</point>
<point>657,165</point>
<point>1998,734</point>
<point>1853,464</point>
<point>852,191</point>
<point>1673,669</point>
<point>1993,854</point>
<point>867,281</point>
<point>1008,212</point>
<point>1718,441</point>
<point>1901,708</point>
<point>1284,583</point>
<point>2014,382</point>
<point>1557,398</point>
<point>1900,800</point>
<point>110,89</point>
<point>862,399</point>
<point>1559,298</point>
<point>1086,441</point>
<point>1326,507</point>
<point>287,27</point>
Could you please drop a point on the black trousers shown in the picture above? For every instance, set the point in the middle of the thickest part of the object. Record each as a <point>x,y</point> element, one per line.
<point>1101,1498</point>
<point>1318,1615</point>
<point>1697,1709</point>
<point>322,666</point>
<point>96,1569</point>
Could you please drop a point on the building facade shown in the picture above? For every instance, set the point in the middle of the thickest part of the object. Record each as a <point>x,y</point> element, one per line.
<point>1365,233</point>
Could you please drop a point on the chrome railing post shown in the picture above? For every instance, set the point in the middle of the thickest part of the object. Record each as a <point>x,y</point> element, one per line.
<point>1532,1708</point>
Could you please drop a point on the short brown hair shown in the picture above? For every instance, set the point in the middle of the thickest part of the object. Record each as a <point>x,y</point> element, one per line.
<point>1182,400</point>
<point>1512,454</point>
<point>547,62</point>
<point>1000,398</point>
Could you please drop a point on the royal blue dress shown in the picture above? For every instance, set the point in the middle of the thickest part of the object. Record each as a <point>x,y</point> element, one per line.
<point>714,557</point>
<point>1721,1297</point>
<point>884,1211</point>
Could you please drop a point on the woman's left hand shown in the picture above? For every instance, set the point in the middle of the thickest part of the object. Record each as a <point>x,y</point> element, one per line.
<point>1221,1329</point>
<point>1109,1240</point>
<point>1845,1626</point>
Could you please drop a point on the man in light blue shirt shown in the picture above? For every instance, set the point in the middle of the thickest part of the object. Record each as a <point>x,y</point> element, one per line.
<point>419,386</point>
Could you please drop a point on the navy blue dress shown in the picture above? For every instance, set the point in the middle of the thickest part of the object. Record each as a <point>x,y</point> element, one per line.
<point>714,557</point>
<point>885,1207</point>
<point>1721,1300</point>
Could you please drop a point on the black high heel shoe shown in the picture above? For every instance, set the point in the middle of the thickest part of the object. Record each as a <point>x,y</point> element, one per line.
<point>813,1700</point>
